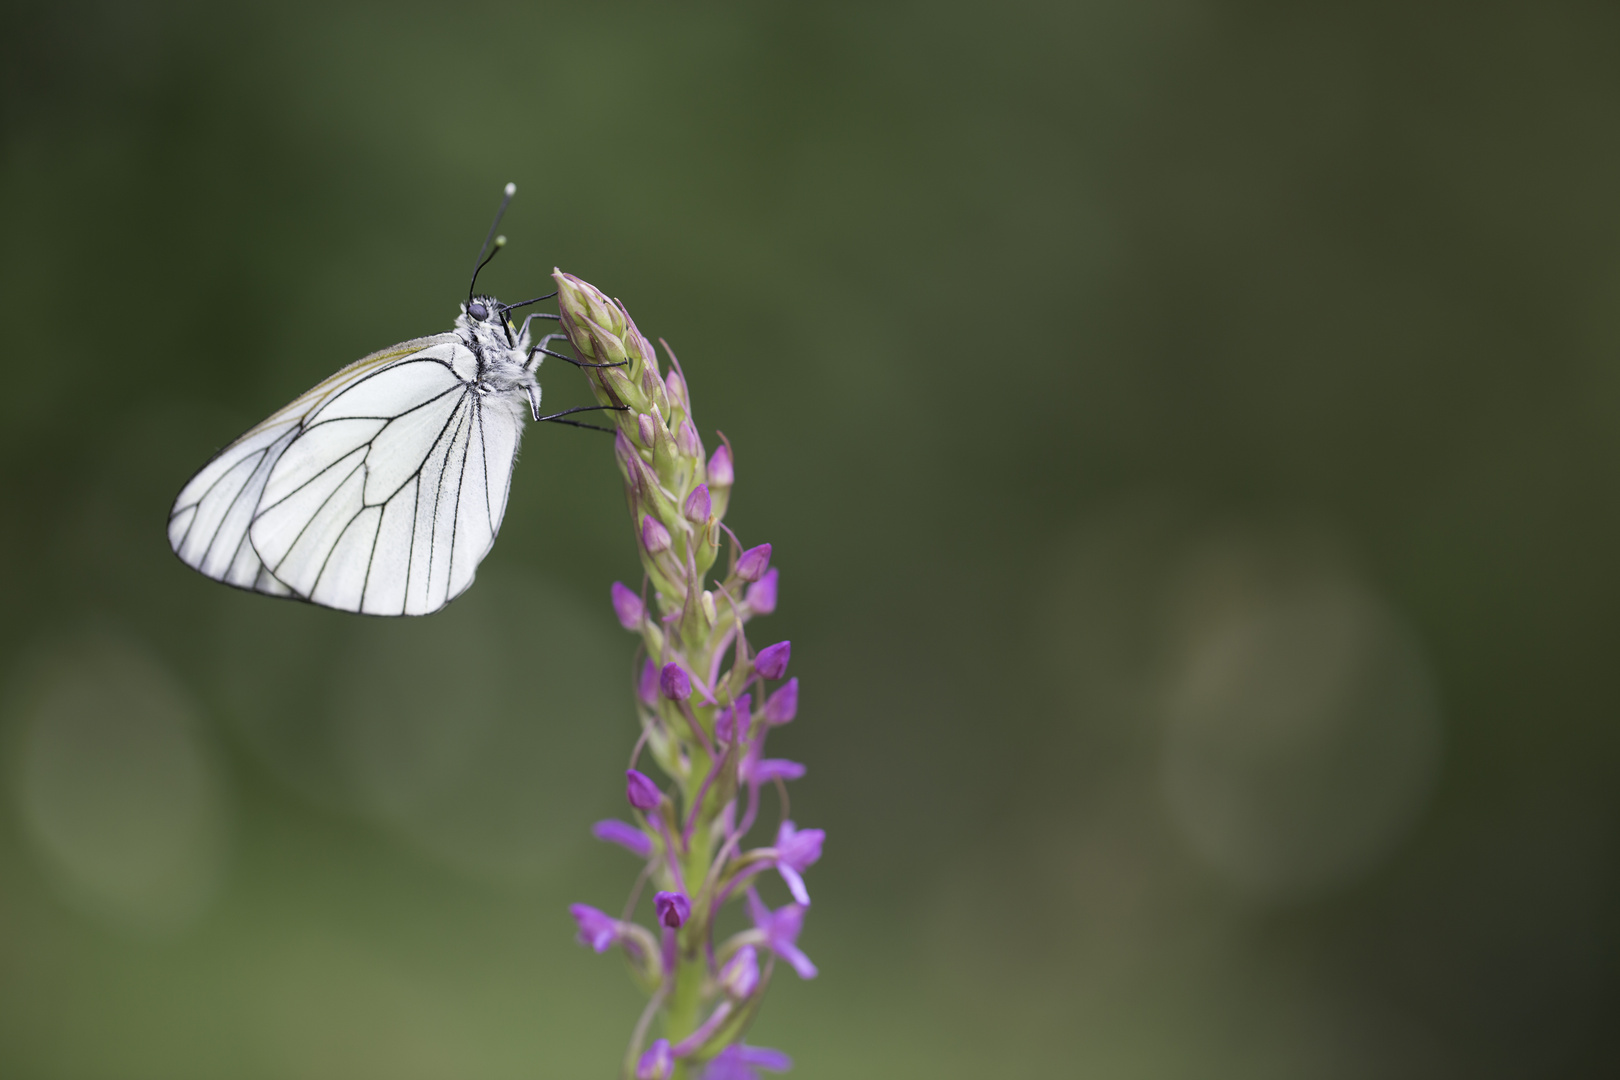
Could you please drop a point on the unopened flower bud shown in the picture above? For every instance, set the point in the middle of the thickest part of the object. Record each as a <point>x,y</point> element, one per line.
<point>647,684</point>
<point>644,425</point>
<point>752,563</point>
<point>686,436</point>
<point>675,683</point>
<point>761,595</point>
<point>653,386</point>
<point>624,452</point>
<point>720,472</point>
<point>628,607</point>
<point>675,387</point>
<point>584,305</point>
<point>772,660</point>
<point>706,602</point>
<point>658,1063</point>
<point>673,909</point>
<point>697,505</point>
<point>783,705</point>
<point>740,976</point>
<point>654,537</point>
<point>640,790</point>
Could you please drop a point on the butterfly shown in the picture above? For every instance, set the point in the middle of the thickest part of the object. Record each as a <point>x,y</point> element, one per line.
<point>381,489</point>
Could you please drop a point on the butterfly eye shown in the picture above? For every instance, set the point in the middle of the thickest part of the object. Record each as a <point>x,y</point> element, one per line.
<point>477,310</point>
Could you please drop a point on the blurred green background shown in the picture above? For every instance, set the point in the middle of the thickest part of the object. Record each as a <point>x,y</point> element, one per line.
<point>1190,434</point>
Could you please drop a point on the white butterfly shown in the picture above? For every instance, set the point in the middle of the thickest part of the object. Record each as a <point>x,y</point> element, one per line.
<point>382,488</point>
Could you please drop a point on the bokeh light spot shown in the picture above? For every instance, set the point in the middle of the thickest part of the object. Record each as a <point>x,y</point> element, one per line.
<point>115,784</point>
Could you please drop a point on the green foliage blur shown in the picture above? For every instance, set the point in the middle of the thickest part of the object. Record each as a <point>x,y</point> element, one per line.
<point>1190,436</point>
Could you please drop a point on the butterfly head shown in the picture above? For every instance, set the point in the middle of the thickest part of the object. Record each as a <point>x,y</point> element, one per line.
<point>481,309</point>
<point>484,325</point>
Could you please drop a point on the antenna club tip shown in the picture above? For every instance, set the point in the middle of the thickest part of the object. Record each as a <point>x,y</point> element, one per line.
<point>500,241</point>
<point>511,189</point>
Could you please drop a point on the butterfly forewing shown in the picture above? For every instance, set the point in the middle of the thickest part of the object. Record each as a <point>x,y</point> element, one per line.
<point>380,490</point>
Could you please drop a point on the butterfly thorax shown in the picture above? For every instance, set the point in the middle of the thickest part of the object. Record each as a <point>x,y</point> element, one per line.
<point>500,348</point>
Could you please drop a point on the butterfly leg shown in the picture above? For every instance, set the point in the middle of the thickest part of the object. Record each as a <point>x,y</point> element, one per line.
<point>540,347</point>
<point>524,329</point>
<point>557,418</point>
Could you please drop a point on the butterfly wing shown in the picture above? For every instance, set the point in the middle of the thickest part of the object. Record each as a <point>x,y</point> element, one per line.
<point>378,491</point>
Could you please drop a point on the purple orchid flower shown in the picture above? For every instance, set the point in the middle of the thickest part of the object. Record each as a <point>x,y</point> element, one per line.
<point>657,1063</point>
<point>597,928</point>
<point>673,909</point>
<point>740,976</point>
<point>741,1062</point>
<point>781,929</point>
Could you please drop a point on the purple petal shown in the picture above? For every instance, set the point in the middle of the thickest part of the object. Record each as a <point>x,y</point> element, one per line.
<point>751,564</point>
<point>783,705</point>
<point>675,682</point>
<point>772,660</point>
<point>640,790</point>
<point>743,1062</point>
<point>761,595</point>
<point>763,1058</point>
<point>625,835</point>
<point>645,427</point>
<point>628,607</point>
<point>795,883</point>
<point>724,724</point>
<point>698,505</point>
<point>720,472</point>
<point>795,956</point>
<point>758,912</point>
<point>763,772</point>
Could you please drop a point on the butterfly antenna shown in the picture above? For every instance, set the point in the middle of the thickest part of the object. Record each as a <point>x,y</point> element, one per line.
<point>498,241</point>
